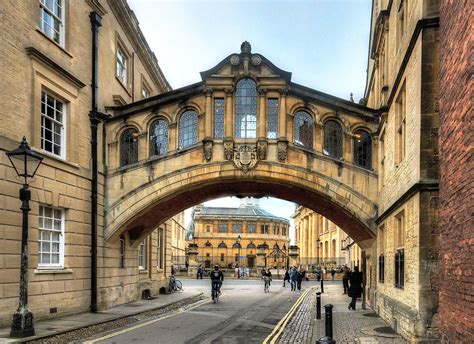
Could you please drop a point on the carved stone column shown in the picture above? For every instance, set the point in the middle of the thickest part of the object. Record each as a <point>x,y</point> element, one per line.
<point>228,116</point>
<point>208,118</point>
<point>261,133</point>
<point>282,113</point>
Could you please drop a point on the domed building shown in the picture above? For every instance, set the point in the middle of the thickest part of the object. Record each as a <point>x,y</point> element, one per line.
<point>247,236</point>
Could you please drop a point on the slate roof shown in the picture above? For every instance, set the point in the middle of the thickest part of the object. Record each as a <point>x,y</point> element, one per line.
<point>240,212</point>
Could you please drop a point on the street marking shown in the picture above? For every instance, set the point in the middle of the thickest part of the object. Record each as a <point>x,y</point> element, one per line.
<point>277,331</point>
<point>96,340</point>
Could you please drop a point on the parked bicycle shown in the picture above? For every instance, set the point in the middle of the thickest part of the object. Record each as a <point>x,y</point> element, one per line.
<point>174,284</point>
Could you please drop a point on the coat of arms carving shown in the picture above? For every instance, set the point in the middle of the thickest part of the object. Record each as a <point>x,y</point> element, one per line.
<point>245,157</point>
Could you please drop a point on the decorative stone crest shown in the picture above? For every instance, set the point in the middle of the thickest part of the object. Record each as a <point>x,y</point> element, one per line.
<point>228,149</point>
<point>282,147</point>
<point>207,147</point>
<point>245,157</point>
<point>262,146</point>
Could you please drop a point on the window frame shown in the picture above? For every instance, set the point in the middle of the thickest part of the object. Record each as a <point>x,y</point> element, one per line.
<point>120,47</point>
<point>254,228</point>
<point>358,148</point>
<point>63,133</point>
<point>272,118</point>
<point>143,255</point>
<point>122,252</point>
<point>61,19</point>
<point>400,125</point>
<point>333,146</point>
<point>247,110</point>
<point>160,248</point>
<point>219,117</point>
<point>237,228</point>
<point>153,139</point>
<point>221,226</point>
<point>193,126</point>
<point>297,129</point>
<point>61,246</point>
<point>135,147</point>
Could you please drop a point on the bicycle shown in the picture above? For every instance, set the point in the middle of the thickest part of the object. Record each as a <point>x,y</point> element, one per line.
<point>266,286</point>
<point>215,292</point>
<point>174,284</point>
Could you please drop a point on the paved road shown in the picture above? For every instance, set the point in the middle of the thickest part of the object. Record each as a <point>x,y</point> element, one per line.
<point>244,314</point>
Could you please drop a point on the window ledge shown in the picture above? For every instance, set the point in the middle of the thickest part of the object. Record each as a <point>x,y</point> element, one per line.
<point>142,271</point>
<point>54,42</point>
<point>45,270</point>
<point>57,158</point>
<point>125,87</point>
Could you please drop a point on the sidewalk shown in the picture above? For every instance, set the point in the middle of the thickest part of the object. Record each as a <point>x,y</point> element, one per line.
<point>50,327</point>
<point>360,326</point>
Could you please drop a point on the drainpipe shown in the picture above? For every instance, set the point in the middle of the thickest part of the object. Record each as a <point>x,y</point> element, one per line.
<point>95,118</point>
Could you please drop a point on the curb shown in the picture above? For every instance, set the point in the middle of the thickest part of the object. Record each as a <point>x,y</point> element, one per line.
<point>117,317</point>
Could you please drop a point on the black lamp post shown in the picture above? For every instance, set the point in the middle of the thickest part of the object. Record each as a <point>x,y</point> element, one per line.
<point>26,163</point>
<point>239,239</point>
<point>317,249</point>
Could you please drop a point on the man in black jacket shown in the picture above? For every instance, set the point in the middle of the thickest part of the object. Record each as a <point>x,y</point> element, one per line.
<point>217,277</point>
<point>355,288</point>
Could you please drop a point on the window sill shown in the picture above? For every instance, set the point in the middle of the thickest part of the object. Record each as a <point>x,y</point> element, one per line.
<point>57,158</point>
<point>142,271</point>
<point>125,87</point>
<point>54,42</point>
<point>52,270</point>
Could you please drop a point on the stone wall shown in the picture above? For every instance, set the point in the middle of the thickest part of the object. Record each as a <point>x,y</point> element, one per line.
<point>456,182</point>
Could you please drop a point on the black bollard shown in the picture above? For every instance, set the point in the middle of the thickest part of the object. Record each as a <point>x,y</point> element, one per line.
<point>318,305</point>
<point>325,340</point>
<point>322,283</point>
<point>328,312</point>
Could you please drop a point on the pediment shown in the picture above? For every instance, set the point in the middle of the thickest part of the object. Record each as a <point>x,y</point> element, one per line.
<point>245,63</point>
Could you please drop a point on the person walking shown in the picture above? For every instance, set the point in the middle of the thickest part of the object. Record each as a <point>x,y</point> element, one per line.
<point>293,278</point>
<point>333,273</point>
<point>200,272</point>
<point>345,278</point>
<point>299,279</point>
<point>355,288</point>
<point>286,277</point>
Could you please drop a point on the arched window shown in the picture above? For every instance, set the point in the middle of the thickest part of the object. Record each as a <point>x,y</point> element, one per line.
<point>236,245</point>
<point>246,109</point>
<point>222,245</point>
<point>188,129</point>
<point>159,137</point>
<point>129,147</point>
<point>362,149</point>
<point>251,245</point>
<point>333,139</point>
<point>303,129</point>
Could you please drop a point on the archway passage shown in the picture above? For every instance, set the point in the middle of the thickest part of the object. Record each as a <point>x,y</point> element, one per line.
<point>145,209</point>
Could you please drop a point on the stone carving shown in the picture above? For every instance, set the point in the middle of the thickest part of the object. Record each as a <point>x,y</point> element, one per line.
<point>234,60</point>
<point>262,150</point>
<point>282,150</point>
<point>228,150</point>
<point>245,157</point>
<point>256,60</point>
<point>207,147</point>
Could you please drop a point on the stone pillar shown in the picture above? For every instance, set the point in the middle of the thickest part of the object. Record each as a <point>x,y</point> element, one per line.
<point>208,118</point>
<point>305,234</point>
<point>173,139</point>
<point>312,235</point>
<point>261,129</point>
<point>282,114</point>
<point>228,116</point>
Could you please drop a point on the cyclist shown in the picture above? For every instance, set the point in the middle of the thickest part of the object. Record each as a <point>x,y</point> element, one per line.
<point>217,277</point>
<point>267,278</point>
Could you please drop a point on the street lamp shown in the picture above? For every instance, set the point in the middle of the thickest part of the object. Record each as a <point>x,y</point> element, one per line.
<point>318,242</point>
<point>239,238</point>
<point>26,163</point>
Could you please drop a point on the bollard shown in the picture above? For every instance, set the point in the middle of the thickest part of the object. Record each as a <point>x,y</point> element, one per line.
<point>325,340</point>
<point>328,312</point>
<point>322,283</point>
<point>318,305</point>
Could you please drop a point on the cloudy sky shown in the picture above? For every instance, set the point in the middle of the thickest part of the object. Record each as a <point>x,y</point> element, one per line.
<point>324,43</point>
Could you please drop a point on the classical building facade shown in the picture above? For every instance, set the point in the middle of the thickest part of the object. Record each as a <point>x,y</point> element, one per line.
<point>178,238</point>
<point>247,236</point>
<point>403,84</point>
<point>322,243</point>
<point>47,56</point>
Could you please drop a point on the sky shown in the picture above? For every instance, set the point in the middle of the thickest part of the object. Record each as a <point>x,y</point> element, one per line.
<point>324,43</point>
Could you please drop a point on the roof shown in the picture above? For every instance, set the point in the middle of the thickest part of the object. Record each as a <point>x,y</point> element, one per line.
<point>240,212</point>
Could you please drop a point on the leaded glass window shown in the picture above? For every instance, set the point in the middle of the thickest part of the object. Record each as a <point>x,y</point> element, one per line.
<point>188,129</point>
<point>219,118</point>
<point>362,149</point>
<point>246,109</point>
<point>303,129</point>
<point>272,118</point>
<point>333,139</point>
<point>129,147</point>
<point>159,137</point>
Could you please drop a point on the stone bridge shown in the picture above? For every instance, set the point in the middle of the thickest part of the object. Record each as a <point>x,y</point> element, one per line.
<point>247,130</point>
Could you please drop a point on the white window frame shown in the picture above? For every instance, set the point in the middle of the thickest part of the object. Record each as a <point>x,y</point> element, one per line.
<point>41,228</point>
<point>142,255</point>
<point>124,77</point>
<point>63,124</point>
<point>160,249</point>
<point>60,19</point>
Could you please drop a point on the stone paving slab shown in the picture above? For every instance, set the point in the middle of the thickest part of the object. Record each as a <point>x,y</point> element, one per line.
<point>46,328</point>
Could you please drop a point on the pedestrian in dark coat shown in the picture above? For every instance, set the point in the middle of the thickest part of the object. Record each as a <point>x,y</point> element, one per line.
<point>355,287</point>
<point>299,279</point>
<point>293,278</point>
<point>345,278</point>
<point>286,277</point>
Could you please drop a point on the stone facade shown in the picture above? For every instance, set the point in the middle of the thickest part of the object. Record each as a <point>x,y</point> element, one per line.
<point>264,238</point>
<point>321,242</point>
<point>36,62</point>
<point>403,84</point>
<point>456,165</point>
